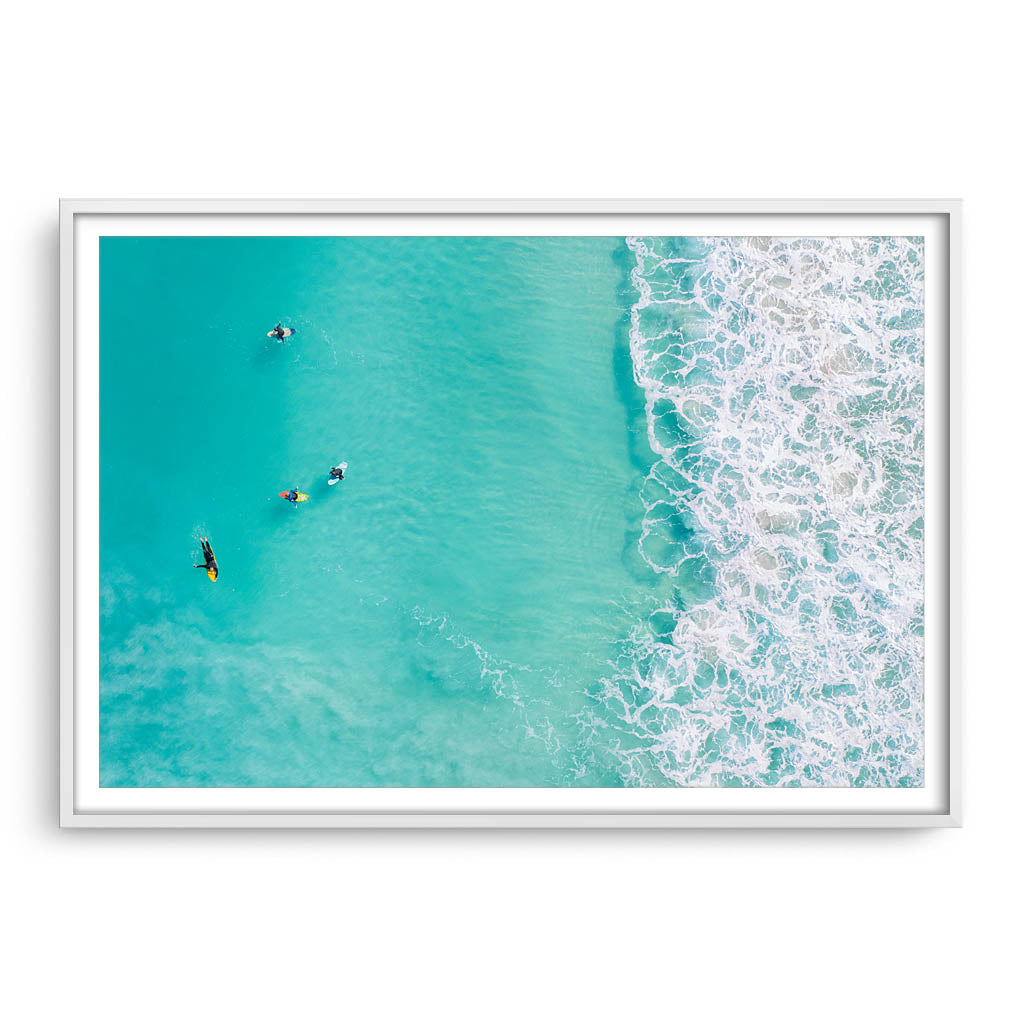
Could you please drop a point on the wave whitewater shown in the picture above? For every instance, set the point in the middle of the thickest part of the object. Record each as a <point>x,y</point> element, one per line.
<point>784,384</point>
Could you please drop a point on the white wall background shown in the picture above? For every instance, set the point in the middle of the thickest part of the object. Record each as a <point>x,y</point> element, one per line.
<point>527,99</point>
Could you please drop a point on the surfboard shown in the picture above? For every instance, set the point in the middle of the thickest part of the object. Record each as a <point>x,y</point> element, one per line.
<point>332,480</point>
<point>299,496</point>
<point>288,332</point>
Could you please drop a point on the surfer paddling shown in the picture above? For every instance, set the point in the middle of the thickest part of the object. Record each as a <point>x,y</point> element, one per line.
<point>209,561</point>
<point>280,332</point>
<point>294,497</point>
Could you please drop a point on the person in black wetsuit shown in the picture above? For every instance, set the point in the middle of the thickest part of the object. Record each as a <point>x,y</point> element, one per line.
<point>209,561</point>
<point>278,332</point>
<point>337,473</point>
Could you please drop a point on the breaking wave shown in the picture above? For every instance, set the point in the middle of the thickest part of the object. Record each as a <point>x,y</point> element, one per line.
<point>784,385</point>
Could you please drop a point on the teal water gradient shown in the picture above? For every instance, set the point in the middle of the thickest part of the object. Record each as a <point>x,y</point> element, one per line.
<point>618,512</point>
<point>445,615</point>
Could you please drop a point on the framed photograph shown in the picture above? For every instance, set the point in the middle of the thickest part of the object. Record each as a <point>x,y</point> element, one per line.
<point>509,514</point>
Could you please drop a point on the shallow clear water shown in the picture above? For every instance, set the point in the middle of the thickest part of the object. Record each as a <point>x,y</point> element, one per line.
<point>505,589</point>
<point>435,619</point>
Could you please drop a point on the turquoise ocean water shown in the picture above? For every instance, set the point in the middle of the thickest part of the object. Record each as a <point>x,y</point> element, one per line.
<point>617,512</point>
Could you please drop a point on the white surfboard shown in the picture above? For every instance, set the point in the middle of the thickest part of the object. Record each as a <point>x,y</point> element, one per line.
<point>332,480</point>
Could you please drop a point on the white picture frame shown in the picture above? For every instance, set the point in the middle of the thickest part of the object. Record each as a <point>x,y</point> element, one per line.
<point>83,804</point>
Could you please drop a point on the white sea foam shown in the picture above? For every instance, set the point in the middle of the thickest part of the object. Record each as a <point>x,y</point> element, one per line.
<point>785,407</point>
<point>503,677</point>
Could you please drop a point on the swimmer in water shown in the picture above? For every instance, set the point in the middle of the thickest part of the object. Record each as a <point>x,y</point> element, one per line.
<point>209,561</point>
<point>337,473</point>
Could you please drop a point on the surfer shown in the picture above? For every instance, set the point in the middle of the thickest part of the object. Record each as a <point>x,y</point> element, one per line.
<point>280,332</point>
<point>209,561</point>
<point>337,472</point>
